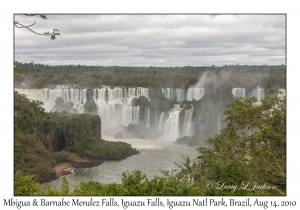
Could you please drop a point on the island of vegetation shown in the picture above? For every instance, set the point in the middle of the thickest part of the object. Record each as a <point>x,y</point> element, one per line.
<point>248,153</point>
<point>43,140</point>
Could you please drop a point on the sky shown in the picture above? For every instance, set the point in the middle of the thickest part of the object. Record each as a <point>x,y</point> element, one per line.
<point>19,44</point>
<point>153,40</point>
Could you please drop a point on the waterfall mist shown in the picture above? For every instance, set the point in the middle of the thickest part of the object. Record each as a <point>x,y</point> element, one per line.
<point>193,112</point>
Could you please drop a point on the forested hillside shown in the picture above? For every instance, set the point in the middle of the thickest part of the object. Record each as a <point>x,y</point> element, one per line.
<point>40,75</point>
<point>242,139</point>
<point>248,156</point>
<point>42,140</point>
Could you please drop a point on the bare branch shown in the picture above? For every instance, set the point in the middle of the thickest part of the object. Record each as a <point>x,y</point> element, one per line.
<point>40,15</point>
<point>18,25</point>
<point>51,34</point>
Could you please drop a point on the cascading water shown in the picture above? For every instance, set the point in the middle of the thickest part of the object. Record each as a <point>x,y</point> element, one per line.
<point>49,95</point>
<point>156,119</point>
<point>174,93</point>
<point>259,93</point>
<point>171,126</point>
<point>180,96</point>
<point>169,93</point>
<point>160,127</point>
<point>130,114</point>
<point>194,93</point>
<point>239,92</point>
<point>187,123</point>
<point>114,104</point>
<point>147,117</point>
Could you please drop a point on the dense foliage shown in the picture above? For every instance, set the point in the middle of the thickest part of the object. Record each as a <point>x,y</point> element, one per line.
<point>40,138</point>
<point>205,117</point>
<point>251,148</point>
<point>248,157</point>
<point>40,75</point>
<point>30,121</point>
<point>104,150</point>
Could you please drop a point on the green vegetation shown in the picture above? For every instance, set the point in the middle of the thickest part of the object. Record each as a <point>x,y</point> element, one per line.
<point>104,150</point>
<point>42,140</point>
<point>25,185</point>
<point>162,104</point>
<point>30,156</point>
<point>133,183</point>
<point>60,105</point>
<point>250,150</point>
<point>28,27</point>
<point>40,75</point>
<point>140,101</point>
<point>205,117</point>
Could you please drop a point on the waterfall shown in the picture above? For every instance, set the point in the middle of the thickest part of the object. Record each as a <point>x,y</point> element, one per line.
<point>187,123</point>
<point>156,119</point>
<point>171,126</point>
<point>95,94</point>
<point>259,93</point>
<point>169,93</point>
<point>113,103</point>
<point>130,114</point>
<point>147,117</point>
<point>175,94</point>
<point>49,95</point>
<point>180,94</point>
<point>194,93</point>
<point>239,92</point>
<point>160,127</point>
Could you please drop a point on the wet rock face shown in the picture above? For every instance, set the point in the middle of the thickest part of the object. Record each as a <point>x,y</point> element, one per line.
<point>70,130</point>
<point>50,138</point>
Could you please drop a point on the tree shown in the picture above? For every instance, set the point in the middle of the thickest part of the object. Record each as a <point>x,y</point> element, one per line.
<point>25,185</point>
<point>43,16</point>
<point>17,69</point>
<point>251,148</point>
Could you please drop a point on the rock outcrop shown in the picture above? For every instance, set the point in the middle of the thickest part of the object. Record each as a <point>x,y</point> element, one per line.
<point>69,130</point>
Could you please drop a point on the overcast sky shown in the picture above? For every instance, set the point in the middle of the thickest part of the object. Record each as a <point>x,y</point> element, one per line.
<point>153,40</point>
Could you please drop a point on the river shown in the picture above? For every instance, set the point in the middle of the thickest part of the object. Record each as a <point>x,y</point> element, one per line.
<point>153,156</point>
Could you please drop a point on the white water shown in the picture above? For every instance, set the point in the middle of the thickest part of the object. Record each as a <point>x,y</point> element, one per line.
<point>194,93</point>
<point>114,104</point>
<point>147,117</point>
<point>160,126</point>
<point>153,156</point>
<point>187,123</point>
<point>174,93</point>
<point>239,92</point>
<point>171,126</point>
<point>259,93</point>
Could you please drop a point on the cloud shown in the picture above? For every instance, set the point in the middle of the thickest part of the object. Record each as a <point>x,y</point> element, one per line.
<point>154,40</point>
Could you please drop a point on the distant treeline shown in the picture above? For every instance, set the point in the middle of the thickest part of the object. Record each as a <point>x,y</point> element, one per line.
<point>40,75</point>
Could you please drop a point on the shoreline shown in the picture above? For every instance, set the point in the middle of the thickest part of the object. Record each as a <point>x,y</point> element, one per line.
<point>66,167</point>
<point>63,169</point>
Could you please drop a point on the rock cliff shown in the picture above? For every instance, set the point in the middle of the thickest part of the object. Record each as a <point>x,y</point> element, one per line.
<point>69,130</point>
